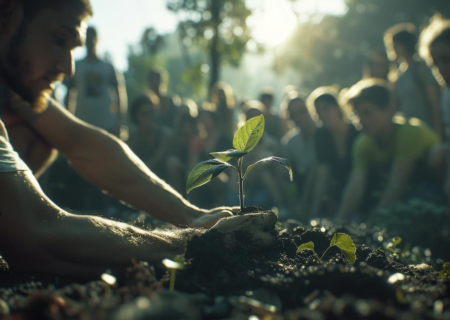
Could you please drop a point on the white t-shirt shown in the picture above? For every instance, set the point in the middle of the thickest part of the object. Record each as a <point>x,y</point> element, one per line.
<point>96,100</point>
<point>9,159</point>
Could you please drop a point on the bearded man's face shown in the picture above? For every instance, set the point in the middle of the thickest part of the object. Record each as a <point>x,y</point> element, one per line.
<point>38,53</point>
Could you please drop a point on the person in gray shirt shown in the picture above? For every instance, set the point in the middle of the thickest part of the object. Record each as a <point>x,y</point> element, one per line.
<point>417,92</point>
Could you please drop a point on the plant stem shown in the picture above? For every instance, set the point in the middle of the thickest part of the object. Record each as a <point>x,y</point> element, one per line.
<point>241,185</point>
<point>325,252</point>
<point>172,279</point>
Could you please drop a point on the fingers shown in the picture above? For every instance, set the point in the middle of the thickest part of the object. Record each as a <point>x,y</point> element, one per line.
<point>252,230</point>
<point>208,221</point>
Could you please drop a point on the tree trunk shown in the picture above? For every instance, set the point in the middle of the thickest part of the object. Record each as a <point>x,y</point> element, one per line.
<point>214,54</point>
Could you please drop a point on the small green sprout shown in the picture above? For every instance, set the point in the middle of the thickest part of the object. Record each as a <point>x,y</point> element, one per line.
<point>342,241</point>
<point>445,272</point>
<point>306,246</point>
<point>245,139</point>
<point>393,243</point>
<point>173,266</point>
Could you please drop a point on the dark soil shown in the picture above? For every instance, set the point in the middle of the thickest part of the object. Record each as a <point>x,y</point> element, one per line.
<point>276,283</point>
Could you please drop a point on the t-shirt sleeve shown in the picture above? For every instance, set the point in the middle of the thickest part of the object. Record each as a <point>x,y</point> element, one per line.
<point>361,152</point>
<point>415,141</point>
<point>9,159</point>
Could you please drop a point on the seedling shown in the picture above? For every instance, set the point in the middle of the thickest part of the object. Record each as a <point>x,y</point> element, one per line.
<point>445,272</point>
<point>173,266</point>
<point>342,241</point>
<point>393,243</point>
<point>245,139</point>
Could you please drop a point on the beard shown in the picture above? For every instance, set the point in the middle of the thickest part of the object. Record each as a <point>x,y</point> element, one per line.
<point>15,69</point>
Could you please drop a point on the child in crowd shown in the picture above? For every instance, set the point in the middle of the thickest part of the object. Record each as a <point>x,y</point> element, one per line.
<point>333,146</point>
<point>393,154</point>
<point>435,49</point>
<point>416,91</point>
<point>150,140</point>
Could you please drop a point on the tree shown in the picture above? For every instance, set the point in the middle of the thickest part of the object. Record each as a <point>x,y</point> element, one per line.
<point>328,50</point>
<point>218,27</point>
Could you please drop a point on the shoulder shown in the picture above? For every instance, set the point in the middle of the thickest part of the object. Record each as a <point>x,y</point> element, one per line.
<point>290,136</point>
<point>415,129</point>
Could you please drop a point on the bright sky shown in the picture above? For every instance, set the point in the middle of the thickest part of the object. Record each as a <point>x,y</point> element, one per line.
<point>121,22</point>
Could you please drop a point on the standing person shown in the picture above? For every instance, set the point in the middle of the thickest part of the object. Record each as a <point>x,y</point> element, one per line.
<point>417,92</point>
<point>149,140</point>
<point>333,146</point>
<point>435,49</point>
<point>274,124</point>
<point>377,66</point>
<point>222,97</point>
<point>96,93</point>
<point>157,82</point>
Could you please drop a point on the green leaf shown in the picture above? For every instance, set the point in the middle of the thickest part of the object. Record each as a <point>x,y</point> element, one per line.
<point>396,241</point>
<point>285,163</point>
<point>393,243</point>
<point>248,136</point>
<point>344,242</point>
<point>228,155</point>
<point>306,246</point>
<point>205,172</point>
<point>351,257</point>
<point>445,272</point>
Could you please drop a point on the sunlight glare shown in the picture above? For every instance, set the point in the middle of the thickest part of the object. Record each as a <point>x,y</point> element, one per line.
<point>272,23</point>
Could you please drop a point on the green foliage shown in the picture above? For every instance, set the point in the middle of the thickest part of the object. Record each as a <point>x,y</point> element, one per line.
<point>278,160</point>
<point>336,47</point>
<point>345,243</point>
<point>306,246</point>
<point>228,155</point>
<point>342,241</point>
<point>205,172</point>
<point>445,272</point>
<point>217,27</point>
<point>249,135</point>
<point>245,139</point>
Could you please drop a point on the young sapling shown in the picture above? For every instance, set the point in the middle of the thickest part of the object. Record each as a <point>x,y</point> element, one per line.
<point>173,266</point>
<point>342,241</point>
<point>244,140</point>
<point>445,272</point>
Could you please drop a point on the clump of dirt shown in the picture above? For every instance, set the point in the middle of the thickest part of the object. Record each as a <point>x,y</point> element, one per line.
<point>277,281</point>
<point>248,209</point>
<point>293,277</point>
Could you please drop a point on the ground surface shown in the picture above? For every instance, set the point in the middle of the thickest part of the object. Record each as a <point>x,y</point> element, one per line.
<point>275,283</point>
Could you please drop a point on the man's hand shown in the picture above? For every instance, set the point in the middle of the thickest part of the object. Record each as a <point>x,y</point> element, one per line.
<point>209,219</point>
<point>253,229</point>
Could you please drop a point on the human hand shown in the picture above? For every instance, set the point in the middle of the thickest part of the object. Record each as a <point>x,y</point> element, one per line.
<point>253,229</point>
<point>209,218</point>
<point>24,109</point>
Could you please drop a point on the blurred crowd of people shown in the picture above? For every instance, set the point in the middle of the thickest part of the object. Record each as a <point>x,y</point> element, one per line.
<point>380,141</point>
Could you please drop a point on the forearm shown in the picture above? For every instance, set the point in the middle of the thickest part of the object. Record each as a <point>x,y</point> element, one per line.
<point>110,165</point>
<point>98,242</point>
<point>32,228</point>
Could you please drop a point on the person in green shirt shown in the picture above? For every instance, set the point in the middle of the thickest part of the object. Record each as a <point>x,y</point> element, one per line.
<point>401,148</point>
